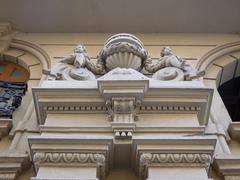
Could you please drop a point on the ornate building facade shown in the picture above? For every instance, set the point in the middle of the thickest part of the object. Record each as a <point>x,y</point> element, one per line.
<point>117,106</point>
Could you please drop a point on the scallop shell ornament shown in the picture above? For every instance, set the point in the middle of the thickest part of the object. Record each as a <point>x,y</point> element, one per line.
<point>124,51</point>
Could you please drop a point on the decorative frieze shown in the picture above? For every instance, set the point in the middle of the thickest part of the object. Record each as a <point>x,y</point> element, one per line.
<point>108,108</point>
<point>68,157</point>
<point>75,108</point>
<point>169,108</point>
<point>171,160</point>
<point>189,97</point>
<point>71,159</point>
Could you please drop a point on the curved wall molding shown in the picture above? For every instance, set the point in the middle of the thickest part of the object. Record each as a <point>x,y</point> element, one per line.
<point>221,65</point>
<point>216,53</point>
<point>33,49</point>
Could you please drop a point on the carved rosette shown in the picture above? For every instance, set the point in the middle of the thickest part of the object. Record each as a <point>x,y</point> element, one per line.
<point>124,51</point>
<point>71,159</point>
<point>172,159</point>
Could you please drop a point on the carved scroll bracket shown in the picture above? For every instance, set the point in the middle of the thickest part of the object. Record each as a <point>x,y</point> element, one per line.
<point>123,114</point>
<point>5,36</point>
<point>123,90</point>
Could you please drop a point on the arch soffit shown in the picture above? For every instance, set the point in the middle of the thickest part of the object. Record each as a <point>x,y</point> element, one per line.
<point>221,63</point>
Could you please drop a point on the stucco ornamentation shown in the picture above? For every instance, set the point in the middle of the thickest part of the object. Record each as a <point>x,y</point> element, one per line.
<point>71,158</point>
<point>169,74</point>
<point>68,157</point>
<point>118,106</point>
<point>123,112</point>
<point>73,67</point>
<point>122,51</point>
<point>172,159</point>
<point>171,67</point>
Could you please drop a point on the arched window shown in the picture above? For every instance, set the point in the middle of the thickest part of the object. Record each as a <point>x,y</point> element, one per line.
<point>230,93</point>
<point>13,85</point>
<point>222,64</point>
<point>12,72</point>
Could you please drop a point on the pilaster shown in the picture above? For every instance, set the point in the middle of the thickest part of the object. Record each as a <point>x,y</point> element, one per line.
<point>228,167</point>
<point>12,164</point>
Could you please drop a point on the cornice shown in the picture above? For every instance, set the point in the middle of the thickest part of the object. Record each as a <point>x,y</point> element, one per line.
<point>76,98</point>
<point>234,130</point>
<point>227,166</point>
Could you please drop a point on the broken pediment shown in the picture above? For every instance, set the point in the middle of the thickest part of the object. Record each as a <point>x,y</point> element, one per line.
<point>123,51</point>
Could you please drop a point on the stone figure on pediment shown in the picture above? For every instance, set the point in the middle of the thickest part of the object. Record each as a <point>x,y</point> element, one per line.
<point>171,67</point>
<point>122,51</point>
<point>73,67</point>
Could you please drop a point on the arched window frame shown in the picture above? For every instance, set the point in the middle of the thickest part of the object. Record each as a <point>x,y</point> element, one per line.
<point>221,65</point>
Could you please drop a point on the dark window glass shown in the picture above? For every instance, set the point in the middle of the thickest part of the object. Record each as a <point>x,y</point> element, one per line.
<point>230,93</point>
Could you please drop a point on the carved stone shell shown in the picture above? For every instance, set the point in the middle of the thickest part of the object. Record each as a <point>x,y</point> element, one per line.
<point>123,60</point>
<point>124,51</point>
